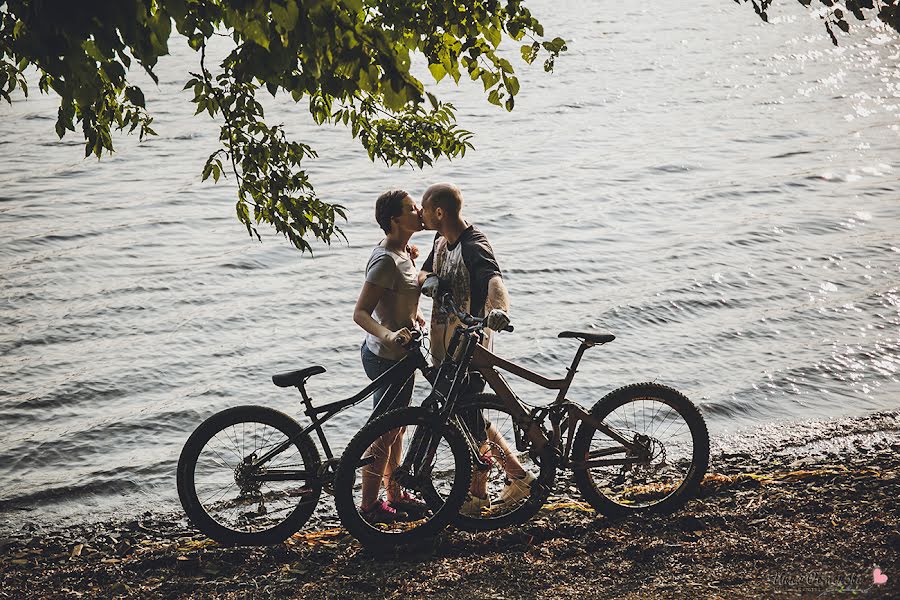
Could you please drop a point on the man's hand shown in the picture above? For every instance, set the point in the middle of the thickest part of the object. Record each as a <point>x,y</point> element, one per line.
<point>496,319</point>
<point>430,285</point>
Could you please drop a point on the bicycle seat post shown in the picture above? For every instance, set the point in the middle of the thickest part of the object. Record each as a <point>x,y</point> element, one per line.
<point>307,401</point>
<point>571,370</point>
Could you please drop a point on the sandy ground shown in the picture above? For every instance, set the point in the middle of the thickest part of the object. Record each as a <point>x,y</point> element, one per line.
<point>811,516</point>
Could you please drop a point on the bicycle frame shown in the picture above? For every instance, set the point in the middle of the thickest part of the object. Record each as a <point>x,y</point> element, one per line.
<point>413,361</point>
<point>475,356</point>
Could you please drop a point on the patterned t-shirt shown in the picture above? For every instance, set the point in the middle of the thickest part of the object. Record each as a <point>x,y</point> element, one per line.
<point>467,265</point>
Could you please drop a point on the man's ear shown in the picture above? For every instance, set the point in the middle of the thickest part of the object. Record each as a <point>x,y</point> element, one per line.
<point>439,213</point>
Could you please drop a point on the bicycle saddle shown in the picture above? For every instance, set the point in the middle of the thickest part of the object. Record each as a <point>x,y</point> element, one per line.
<point>296,378</point>
<point>591,338</point>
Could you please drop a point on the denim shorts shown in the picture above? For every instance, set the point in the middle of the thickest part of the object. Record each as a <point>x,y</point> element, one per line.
<point>375,366</point>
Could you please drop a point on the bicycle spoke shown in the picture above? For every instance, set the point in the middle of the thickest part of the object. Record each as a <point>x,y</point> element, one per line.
<point>374,480</point>
<point>232,449</point>
<point>243,505</point>
<point>661,431</point>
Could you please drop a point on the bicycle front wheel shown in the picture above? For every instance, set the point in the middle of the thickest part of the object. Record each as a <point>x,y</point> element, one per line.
<point>231,497</point>
<point>427,492</point>
<point>669,456</point>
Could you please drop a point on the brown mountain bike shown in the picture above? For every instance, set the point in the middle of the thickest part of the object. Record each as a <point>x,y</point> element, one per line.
<point>642,447</point>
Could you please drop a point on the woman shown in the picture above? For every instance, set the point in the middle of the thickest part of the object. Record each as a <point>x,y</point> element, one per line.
<point>387,307</point>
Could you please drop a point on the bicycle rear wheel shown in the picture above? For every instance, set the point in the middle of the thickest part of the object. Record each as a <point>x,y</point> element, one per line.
<point>510,501</point>
<point>438,481</point>
<point>234,501</point>
<point>671,462</point>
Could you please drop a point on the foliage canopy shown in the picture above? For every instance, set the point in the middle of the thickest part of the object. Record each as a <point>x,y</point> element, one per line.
<point>349,60</point>
<point>834,15</point>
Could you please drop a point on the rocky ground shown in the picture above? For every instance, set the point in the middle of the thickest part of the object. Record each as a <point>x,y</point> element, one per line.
<point>816,516</point>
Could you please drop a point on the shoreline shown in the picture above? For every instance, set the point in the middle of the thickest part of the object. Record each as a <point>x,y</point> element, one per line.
<point>815,519</point>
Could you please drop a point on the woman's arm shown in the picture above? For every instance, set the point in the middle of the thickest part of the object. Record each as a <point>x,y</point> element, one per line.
<point>368,299</point>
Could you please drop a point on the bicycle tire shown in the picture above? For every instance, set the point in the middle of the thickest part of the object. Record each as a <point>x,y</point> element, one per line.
<point>617,491</point>
<point>443,500</point>
<point>207,477</point>
<point>498,515</point>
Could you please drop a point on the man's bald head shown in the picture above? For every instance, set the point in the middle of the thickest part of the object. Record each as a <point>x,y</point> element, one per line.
<point>445,196</point>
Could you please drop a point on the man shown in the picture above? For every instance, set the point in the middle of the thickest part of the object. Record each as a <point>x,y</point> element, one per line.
<point>463,259</point>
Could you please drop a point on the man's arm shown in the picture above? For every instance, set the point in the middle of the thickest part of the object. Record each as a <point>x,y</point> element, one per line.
<point>497,296</point>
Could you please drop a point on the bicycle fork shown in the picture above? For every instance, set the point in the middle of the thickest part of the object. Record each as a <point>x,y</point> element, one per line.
<point>419,458</point>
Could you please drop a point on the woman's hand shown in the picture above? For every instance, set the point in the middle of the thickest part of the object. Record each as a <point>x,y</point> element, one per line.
<point>420,318</point>
<point>399,338</point>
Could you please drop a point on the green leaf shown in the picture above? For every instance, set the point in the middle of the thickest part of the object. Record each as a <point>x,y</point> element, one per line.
<point>286,16</point>
<point>437,71</point>
<point>134,95</point>
<point>254,32</point>
<point>91,50</point>
<point>492,35</point>
<point>530,52</point>
<point>512,84</point>
<point>489,79</point>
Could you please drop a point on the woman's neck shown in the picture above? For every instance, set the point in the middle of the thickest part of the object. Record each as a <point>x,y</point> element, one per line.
<point>397,241</point>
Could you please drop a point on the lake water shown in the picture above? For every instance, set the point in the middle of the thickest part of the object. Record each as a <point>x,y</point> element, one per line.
<point>720,193</point>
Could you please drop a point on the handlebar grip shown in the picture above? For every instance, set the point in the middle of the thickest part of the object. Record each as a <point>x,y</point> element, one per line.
<point>414,339</point>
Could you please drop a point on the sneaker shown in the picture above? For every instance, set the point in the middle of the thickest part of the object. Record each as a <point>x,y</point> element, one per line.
<point>409,507</point>
<point>517,489</point>
<point>473,506</point>
<point>380,512</point>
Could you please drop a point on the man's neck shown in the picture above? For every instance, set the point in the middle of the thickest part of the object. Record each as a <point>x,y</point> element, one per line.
<point>452,230</point>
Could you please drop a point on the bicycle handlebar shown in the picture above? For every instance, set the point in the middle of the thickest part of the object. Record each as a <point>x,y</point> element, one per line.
<point>414,339</point>
<point>464,317</point>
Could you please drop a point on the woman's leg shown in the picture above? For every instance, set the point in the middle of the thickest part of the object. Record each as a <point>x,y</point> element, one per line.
<point>396,449</point>
<point>379,451</point>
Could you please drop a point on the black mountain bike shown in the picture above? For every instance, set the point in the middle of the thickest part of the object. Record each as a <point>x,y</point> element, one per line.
<point>251,475</point>
<point>642,447</point>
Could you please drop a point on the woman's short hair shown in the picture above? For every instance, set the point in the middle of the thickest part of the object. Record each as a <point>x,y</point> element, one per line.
<point>388,206</point>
